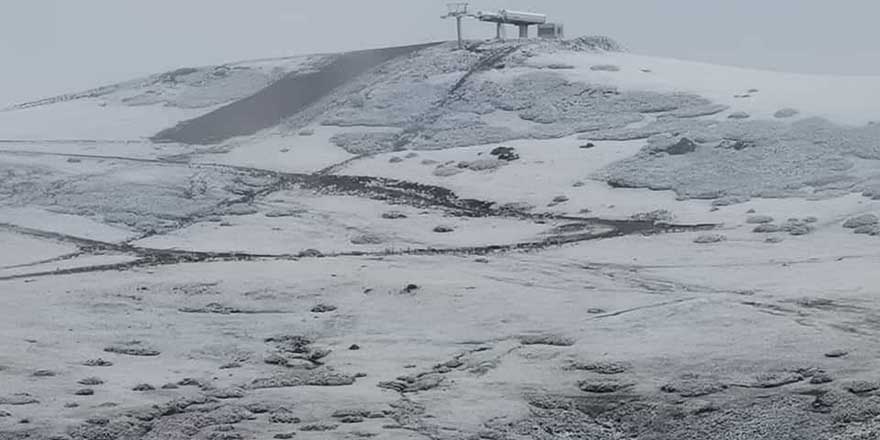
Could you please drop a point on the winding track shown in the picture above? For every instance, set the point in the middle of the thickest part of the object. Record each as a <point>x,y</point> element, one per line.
<point>389,190</point>
<point>281,100</point>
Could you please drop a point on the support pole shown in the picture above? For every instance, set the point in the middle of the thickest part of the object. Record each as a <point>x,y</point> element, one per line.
<point>524,31</point>
<point>458,25</point>
<point>498,31</point>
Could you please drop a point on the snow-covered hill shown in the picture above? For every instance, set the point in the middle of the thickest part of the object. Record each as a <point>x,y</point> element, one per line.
<point>519,240</point>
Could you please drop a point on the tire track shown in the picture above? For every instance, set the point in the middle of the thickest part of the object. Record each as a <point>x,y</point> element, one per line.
<point>391,191</point>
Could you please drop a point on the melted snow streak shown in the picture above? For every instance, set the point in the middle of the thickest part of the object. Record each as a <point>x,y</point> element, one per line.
<point>280,100</point>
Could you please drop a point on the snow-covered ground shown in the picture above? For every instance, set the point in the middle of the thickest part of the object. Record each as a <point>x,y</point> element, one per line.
<point>657,253</point>
<point>853,100</point>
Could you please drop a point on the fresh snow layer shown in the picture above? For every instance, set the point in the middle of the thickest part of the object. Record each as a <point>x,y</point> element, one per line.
<point>334,224</point>
<point>748,318</point>
<point>545,170</point>
<point>66,224</point>
<point>19,249</point>
<point>89,119</point>
<point>278,151</point>
<point>851,100</point>
<point>71,264</point>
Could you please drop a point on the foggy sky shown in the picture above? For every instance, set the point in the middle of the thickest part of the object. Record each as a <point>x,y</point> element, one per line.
<point>55,46</point>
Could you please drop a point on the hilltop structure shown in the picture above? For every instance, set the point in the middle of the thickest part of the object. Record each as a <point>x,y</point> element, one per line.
<point>522,20</point>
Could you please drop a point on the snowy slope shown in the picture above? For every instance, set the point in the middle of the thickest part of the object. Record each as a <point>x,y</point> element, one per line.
<point>663,249</point>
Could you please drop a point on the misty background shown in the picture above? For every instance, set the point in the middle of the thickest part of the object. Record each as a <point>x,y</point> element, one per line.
<point>49,47</point>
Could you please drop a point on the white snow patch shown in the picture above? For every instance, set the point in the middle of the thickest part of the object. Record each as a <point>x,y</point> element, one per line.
<point>843,99</point>
<point>77,226</point>
<point>16,249</point>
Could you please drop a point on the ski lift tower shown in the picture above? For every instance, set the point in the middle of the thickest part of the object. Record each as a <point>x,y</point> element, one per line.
<point>458,11</point>
<point>520,19</point>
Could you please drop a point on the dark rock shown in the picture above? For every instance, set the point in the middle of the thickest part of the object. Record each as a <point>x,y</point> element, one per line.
<point>601,387</point>
<point>275,359</point>
<point>291,343</point>
<point>318,427</point>
<point>836,353</point>
<point>285,435</point>
<point>504,153</point>
<point>656,216</point>
<point>600,367</point>
<point>413,384</point>
<point>227,393</point>
<point>759,219</point>
<point>84,392</point>
<point>587,145</point>
<point>738,145</point>
<point>97,421</point>
<point>258,408</point>
<point>693,386</point>
<point>554,340</point>
<point>820,378</point>
<point>367,239</point>
<point>230,365</point>
<point>351,419</point>
<point>223,435</point>
<point>710,239</point>
<point>393,215</point>
<point>767,228</point>
<point>862,220</point>
<point>323,308</point>
<point>350,413</point>
<point>683,146</point>
<point>90,381</point>
<point>189,382</point>
<point>867,230</point>
<point>132,348</point>
<point>44,373</point>
<point>862,386</point>
<point>143,387</point>
<point>354,347</point>
<point>775,379</point>
<point>443,229</point>
<point>785,113</point>
<point>797,227</point>
<point>296,378</point>
<point>170,386</point>
<point>283,417</point>
<point>310,253</point>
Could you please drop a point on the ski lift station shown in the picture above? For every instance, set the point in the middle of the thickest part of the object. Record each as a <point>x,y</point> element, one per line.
<point>520,19</point>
